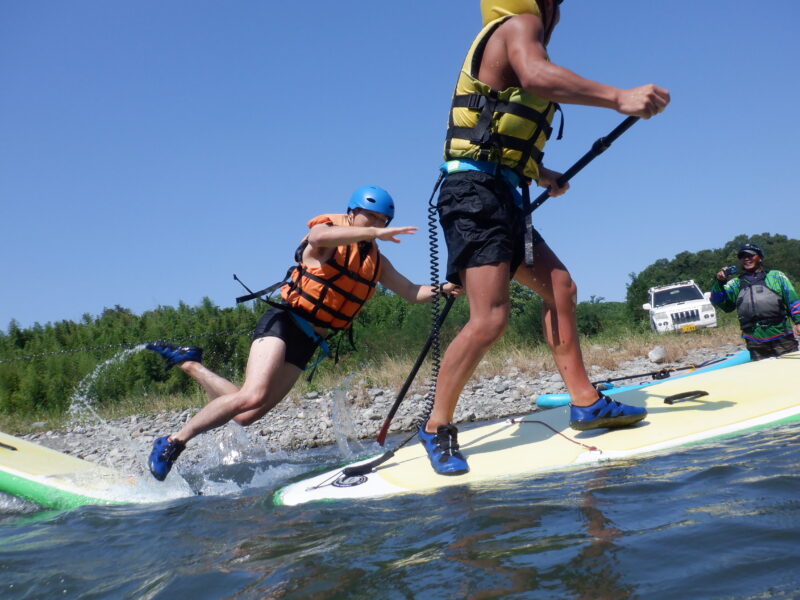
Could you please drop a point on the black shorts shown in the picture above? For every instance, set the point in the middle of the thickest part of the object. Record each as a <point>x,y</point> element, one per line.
<point>277,322</point>
<point>760,350</point>
<point>481,222</point>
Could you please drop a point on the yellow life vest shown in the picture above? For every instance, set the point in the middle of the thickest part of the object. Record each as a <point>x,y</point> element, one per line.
<point>508,127</point>
<point>332,294</point>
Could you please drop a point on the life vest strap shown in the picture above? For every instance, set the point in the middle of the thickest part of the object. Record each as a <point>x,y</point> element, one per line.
<point>499,141</point>
<point>481,102</point>
<point>319,306</point>
<point>267,291</point>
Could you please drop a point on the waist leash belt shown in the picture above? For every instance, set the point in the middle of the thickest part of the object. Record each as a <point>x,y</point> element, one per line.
<point>306,328</point>
<point>515,182</point>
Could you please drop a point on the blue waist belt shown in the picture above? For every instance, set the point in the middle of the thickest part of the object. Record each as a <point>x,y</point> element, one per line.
<point>484,166</point>
<point>306,328</point>
<point>515,182</point>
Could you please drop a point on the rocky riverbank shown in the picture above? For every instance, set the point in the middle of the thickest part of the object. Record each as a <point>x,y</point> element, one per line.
<point>327,418</point>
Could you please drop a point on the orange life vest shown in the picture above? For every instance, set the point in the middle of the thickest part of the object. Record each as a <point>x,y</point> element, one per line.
<point>332,294</point>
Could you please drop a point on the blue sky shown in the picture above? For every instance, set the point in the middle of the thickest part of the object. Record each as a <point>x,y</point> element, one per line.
<point>149,150</point>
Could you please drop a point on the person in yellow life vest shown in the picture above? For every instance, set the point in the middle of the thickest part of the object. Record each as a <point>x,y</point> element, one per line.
<point>506,96</point>
<point>338,266</point>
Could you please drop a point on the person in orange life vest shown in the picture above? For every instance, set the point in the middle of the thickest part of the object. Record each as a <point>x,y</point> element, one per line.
<point>507,94</point>
<point>338,259</point>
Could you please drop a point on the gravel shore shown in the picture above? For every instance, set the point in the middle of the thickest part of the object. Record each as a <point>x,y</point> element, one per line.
<point>323,419</point>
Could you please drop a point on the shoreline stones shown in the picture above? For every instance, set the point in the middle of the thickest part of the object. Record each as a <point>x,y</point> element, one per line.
<point>321,419</point>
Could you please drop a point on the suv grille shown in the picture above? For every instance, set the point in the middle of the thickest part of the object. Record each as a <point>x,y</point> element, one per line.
<point>686,316</point>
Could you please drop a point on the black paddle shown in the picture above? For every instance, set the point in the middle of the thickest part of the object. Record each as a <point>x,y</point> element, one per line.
<point>600,145</point>
<point>664,373</point>
<point>423,353</point>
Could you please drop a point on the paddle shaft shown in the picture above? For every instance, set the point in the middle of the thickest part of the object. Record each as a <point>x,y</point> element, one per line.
<point>601,145</point>
<point>423,353</point>
<point>663,373</point>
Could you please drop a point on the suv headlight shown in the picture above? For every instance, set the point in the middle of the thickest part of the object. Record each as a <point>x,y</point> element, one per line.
<point>661,316</point>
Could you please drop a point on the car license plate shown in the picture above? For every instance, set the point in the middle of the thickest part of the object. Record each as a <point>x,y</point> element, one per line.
<point>688,327</point>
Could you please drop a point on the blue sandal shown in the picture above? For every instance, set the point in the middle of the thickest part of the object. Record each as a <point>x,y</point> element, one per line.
<point>605,412</point>
<point>442,448</point>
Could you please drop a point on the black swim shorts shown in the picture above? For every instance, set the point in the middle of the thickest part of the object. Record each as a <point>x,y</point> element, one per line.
<point>482,224</point>
<point>277,322</point>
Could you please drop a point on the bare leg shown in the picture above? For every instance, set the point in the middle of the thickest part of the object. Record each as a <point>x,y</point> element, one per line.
<point>550,279</point>
<point>213,384</point>
<point>267,380</point>
<point>487,292</point>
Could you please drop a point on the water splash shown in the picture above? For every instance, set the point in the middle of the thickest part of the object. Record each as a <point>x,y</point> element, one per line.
<point>83,418</point>
<point>120,452</point>
<point>344,428</point>
<point>80,406</point>
<point>227,445</point>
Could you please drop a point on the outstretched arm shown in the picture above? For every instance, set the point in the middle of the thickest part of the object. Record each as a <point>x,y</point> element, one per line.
<point>396,282</point>
<point>330,236</point>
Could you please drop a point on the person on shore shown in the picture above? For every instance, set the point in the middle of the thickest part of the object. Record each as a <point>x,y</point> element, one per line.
<point>506,96</point>
<point>765,301</point>
<point>339,266</point>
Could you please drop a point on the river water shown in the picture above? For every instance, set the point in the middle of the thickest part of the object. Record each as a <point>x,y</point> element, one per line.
<point>719,520</point>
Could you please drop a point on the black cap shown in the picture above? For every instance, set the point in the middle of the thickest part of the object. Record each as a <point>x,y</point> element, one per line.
<point>750,249</point>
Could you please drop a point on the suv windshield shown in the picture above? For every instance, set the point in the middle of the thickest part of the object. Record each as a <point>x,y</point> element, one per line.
<point>679,294</point>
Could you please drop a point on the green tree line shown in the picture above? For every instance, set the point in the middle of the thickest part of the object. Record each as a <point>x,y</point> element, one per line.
<point>41,366</point>
<point>780,252</point>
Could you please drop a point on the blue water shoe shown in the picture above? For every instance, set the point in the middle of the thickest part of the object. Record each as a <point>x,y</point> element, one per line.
<point>164,453</point>
<point>176,354</point>
<point>442,448</point>
<point>605,412</point>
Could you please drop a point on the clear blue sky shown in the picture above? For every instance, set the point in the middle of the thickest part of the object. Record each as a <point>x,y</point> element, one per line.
<point>149,150</point>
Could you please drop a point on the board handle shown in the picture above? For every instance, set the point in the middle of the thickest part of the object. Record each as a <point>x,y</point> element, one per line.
<point>684,396</point>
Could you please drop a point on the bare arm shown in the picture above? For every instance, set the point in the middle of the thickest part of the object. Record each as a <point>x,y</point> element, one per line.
<point>407,290</point>
<point>522,37</point>
<point>327,236</point>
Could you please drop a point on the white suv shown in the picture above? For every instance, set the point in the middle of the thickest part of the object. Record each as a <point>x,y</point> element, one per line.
<point>679,307</point>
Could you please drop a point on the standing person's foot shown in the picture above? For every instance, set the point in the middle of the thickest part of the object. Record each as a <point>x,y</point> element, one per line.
<point>175,355</point>
<point>164,453</point>
<point>442,448</point>
<point>605,412</point>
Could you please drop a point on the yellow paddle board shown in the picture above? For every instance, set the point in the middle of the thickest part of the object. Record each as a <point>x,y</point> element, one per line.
<point>56,480</point>
<point>724,402</point>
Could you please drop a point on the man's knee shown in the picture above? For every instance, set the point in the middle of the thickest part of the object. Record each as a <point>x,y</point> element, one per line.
<point>489,327</point>
<point>563,291</point>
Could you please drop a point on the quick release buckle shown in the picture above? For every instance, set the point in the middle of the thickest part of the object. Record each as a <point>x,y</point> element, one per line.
<point>476,101</point>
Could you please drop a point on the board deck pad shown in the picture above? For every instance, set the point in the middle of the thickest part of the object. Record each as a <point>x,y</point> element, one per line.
<point>734,399</point>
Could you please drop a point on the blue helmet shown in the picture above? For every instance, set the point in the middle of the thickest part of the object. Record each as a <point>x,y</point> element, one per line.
<point>370,197</point>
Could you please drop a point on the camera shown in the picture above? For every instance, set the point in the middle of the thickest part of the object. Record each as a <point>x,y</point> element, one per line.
<point>730,270</point>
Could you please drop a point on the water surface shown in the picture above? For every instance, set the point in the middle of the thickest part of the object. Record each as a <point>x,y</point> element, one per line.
<point>719,520</point>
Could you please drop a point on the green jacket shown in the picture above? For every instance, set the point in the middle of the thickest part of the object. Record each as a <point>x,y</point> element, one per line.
<point>725,296</point>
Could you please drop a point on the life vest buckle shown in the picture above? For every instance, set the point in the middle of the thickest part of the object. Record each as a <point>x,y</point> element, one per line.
<point>476,101</point>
